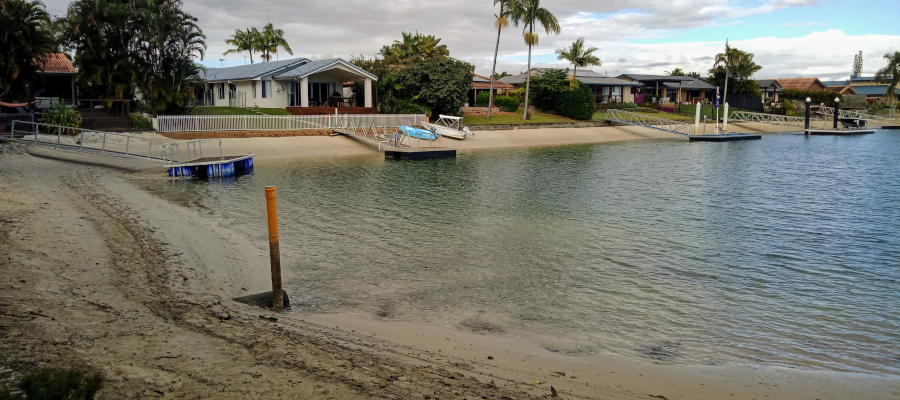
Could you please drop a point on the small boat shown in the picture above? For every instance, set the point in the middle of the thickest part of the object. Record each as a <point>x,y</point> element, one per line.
<point>448,126</point>
<point>419,133</point>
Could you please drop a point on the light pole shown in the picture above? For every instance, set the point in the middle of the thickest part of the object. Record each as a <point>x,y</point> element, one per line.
<point>222,61</point>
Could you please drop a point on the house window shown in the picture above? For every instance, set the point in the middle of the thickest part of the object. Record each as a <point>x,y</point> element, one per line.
<point>320,92</point>
<point>266,89</point>
<point>253,88</point>
<point>221,91</point>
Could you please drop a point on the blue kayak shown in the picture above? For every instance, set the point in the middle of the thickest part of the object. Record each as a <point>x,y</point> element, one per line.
<point>419,133</point>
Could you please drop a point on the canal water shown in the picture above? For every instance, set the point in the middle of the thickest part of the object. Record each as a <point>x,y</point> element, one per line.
<point>781,252</point>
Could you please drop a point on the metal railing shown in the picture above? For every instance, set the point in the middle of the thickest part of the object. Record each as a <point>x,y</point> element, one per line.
<point>638,119</point>
<point>195,147</point>
<point>747,116</point>
<point>861,114</point>
<point>213,123</point>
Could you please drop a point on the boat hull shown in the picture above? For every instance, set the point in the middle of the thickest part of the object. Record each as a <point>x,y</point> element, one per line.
<point>445,131</point>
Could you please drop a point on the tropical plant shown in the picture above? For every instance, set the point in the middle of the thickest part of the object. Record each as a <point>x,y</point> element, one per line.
<point>890,74</point>
<point>579,56</point>
<point>483,99</point>
<point>693,75</point>
<point>414,47</point>
<point>578,103</point>
<point>736,67</point>
<point>508,11</point>
<point>60,115</point>
<point>857,64</point>
<point>268,40</point>
<point>788,106</point>
<point>441,84</point>
<point>530,13</point>
<point>501,75</point>
<point>629,105</point>
<point>242,40</point>
<point>26,38</point>
<point>676,72</point>
<point>507,103</point>
<point>547,88</point>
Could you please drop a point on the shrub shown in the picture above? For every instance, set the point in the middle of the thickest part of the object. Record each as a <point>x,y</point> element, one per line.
<point>509,104</point>
<point>403,106</point>
<point>788,107</point>
<point>629,105</point>
<point>140,122</point>
<point>440,84</point>
<point>546,88</point>
<point>482,99</point>
<point>58,114</point>
<point>578,103</point>
<point>52,384</point>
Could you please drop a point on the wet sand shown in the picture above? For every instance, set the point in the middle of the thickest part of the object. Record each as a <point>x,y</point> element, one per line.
<point>100,273</point>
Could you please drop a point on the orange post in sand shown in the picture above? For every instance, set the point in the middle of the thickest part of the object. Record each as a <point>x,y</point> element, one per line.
<point>274,254</point>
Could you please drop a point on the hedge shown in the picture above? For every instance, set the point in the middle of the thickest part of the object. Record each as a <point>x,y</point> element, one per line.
<point>510,104</point>
<point>578,103</point>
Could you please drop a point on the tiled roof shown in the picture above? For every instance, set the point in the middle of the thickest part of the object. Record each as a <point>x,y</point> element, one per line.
<point>842,89</point>
<point>483,82</point>
<point>56,63</point>
<point>312,67</point>
<point>251,71</point>
<point>800,83</point>
<point>587,77</point>
<point>656,78</point>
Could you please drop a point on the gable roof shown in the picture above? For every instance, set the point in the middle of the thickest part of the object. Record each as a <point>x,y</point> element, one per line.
<point>586,77</point>
<point>483,82</point>
<point>56,63</point>
<point>767,83</point>
<point>693,84</point>
<point>311,67</point>
<point>251,71</point>
<point>842,89</point>
<point>643,78</point>
<point>800,83</point>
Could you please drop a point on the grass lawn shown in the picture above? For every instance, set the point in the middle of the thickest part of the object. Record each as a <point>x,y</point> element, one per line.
<point>273,111</point>
<point>512,119</point>
<point>221,111</point>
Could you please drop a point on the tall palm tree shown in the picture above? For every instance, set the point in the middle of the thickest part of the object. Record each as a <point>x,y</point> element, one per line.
<point>530,13</point>
<point>579,56</point>
<point>414,46</point>
<point>269,40</point>
<point>25,40</point>
<point>242,41</point>
<point>735,67</point>
<point>890,75</point>
<point>675,72</point>
<point>508,13</point>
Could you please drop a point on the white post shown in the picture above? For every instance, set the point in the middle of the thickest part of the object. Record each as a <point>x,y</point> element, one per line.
<point>697,120</point>
<point>725,121</point>
<point>368,93</point>
<point>304,92</point>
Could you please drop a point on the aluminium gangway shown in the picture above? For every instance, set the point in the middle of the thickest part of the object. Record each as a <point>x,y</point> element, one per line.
<point>648,121</point>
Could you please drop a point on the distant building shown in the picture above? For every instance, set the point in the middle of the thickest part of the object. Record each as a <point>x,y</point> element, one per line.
<point>483,84</point>
<point>57,81</point>
<point>606,89</point>
<point>673,89</point>
<point>864,86</point>
<point>770,89</point>
<point>804,84</point>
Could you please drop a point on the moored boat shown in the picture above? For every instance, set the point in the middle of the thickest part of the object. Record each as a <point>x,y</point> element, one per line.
<point>448,126</point>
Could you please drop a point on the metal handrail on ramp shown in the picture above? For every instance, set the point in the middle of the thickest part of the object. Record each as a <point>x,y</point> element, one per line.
<point>747,116</point>
<point>647,121</point>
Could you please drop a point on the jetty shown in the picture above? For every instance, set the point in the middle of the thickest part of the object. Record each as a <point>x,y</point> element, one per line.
<point>191,161</point>
<point>679,127</point>
<point>396,143</point>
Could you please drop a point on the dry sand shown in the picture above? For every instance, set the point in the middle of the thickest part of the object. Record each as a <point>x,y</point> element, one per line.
<point>96,272</point>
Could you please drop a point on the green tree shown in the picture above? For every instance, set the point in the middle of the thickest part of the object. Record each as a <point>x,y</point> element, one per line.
<point>737,67</point>
<point>693,75</point>
<point>269,40</point>
<point>676,72</point>
<point>501,75</point>
<point>508,11</point>
<point>414,47</point>
<point>440,84</point>
<point>577,103</point>
<point>26,38</point>
<point>242,40</point>
<point>547,87</point>
<point>531,13</point>
<point>578,55</point>
<point>890,74</point>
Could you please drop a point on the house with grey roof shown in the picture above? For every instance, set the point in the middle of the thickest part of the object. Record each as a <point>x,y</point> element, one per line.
<point>672,89</point>
<point>606,89</point>
<point>301,85</point>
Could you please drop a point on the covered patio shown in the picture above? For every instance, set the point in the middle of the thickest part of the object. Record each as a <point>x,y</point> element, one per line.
<point>317,88</point>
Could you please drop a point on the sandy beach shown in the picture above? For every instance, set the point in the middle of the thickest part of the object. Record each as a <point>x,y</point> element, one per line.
<point>99,273</point>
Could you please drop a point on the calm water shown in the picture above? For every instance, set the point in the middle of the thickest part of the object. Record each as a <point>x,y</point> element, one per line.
<point>784,251</point>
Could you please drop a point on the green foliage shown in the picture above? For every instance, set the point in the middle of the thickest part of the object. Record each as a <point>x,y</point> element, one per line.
<point>268,40</point>
<point>245,40</point>
<point>140,122</point>
<point>818,96</point>
<point>788,107</point>
<point>545,88</point>
<point>403,106</point>
<point>508,104</point>
<point>414,47</point>
<point>738,66</point>
<point>482,99</point>
<point>579,56</point>
<point>59,114</point>
<point>55,384</point>
<point>890,74</point>
<point>26,35</point>
<point>124,46</point>
<point>501,75</point>
<point>629,105</point>
<point>578,103</point>
<point>441,84</point>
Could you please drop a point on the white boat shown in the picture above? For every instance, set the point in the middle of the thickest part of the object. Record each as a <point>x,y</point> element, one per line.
<point>448,126</point>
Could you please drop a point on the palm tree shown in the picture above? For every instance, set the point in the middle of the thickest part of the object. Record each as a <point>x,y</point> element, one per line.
<point>676,72</point>
<point>414,46</point>
<point>530,13</point>
<point>736,67</point>
<point>579,56</point>
<point>269,40</point>
<point>508,10</point>
<point>242,41</point>
<point>890,75</point>
<point>25,40</point>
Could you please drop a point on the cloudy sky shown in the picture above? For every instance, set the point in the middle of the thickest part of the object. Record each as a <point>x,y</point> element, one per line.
<point>790,38</point>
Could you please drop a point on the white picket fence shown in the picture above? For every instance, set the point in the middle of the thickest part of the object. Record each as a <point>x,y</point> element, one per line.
<point>215,123</point>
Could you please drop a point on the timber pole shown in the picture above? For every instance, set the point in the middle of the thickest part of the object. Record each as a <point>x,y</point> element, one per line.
<point>808,106</point>
<point>274,254</point>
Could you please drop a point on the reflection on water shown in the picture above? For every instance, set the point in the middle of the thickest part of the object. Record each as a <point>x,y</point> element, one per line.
<point>783,251</point>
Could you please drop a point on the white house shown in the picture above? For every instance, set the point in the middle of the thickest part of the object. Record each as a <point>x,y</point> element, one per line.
<point>302,86</point>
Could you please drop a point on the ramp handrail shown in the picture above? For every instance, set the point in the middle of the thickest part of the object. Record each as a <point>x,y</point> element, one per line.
<point>861,114</point>
<point>639,119</point>
<point>86,140</point>
<point>747,116</point>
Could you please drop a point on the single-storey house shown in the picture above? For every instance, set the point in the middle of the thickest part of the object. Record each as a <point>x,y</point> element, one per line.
<point>805,84</point>
<point>483,84</point>
<point>56,82</point>
<point>300,85</point>
<point>864,86</point>
<point>770,89</point>
<point>606,89</point>
<point>673,89</point>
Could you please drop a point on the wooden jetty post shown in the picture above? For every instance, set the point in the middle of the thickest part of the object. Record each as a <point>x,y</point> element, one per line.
<point>806,123</point>
<point>274,254</point>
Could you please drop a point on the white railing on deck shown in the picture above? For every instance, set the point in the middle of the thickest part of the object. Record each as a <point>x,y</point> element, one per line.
<point>215,123</point>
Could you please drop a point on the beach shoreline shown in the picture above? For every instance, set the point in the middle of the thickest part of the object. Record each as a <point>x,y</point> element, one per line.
<point>175,270</point>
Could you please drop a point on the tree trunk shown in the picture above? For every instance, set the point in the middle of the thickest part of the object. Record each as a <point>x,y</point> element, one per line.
<point>527,80</point>
<point>494,68</point>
